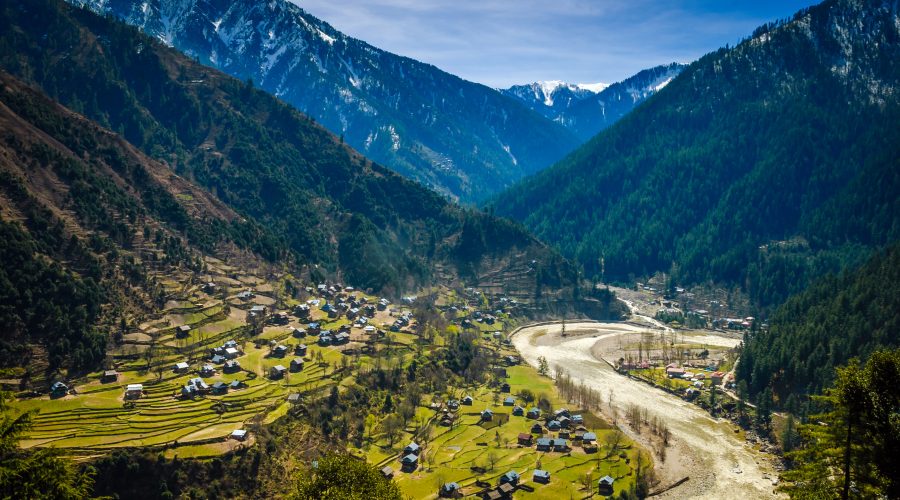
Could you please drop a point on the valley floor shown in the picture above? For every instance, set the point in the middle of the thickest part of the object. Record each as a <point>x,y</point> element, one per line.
<point>709,451</point>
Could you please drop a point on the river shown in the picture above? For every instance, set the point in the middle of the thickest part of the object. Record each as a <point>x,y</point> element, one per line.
<point>720,464</point>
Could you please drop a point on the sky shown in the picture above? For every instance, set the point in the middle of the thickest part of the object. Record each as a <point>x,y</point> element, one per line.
<point>505,42</point>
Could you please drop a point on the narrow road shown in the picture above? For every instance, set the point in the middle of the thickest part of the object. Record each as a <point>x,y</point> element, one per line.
<point>719,463</point>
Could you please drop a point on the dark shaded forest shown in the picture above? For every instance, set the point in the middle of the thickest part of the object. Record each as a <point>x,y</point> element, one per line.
<point>837,318</point>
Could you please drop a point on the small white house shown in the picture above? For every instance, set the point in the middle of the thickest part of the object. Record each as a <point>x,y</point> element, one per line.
<point>239,434</point>
<point>134,391</point>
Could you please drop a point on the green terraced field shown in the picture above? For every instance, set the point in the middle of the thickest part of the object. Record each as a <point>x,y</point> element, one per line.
<point>97,419</point>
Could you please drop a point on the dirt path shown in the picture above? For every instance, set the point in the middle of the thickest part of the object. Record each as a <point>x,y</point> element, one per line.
<point>720,465</point>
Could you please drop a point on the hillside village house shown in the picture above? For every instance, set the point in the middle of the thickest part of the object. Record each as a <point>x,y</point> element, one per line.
<point>182,331</point>
<point>277,372</point>
<point>257,312</point>
<point>541,476</point>
<point>110,376</point>
<point>279,351</point>
<point>239,434</point>
<point>511,477</point>
<point>605,487</point>
<point>410,462</point>
<point>195,387</point>
<point>450,490</point>
<point>134,391</point>
<point>181,367</point>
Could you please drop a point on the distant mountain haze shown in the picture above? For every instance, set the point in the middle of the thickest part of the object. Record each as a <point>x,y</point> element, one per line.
<point>586,109</point>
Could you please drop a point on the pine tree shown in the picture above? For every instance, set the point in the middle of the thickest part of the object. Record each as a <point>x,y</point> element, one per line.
<point>850,450</point>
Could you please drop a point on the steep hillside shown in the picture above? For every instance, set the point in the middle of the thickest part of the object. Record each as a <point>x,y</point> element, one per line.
<point>812,333</point>
<point>762,165</point>
<point>587,110</point>
<point>81,215</point>
<point>461,138</point>
<point>323,205</point>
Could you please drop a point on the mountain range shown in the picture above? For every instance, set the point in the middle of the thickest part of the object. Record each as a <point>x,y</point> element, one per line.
<point>762,166</point>
<point>587,109</point>
<point>463,139</point>
<point>150,159</point>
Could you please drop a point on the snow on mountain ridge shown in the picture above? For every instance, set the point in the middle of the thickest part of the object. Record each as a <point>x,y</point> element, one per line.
<point>587,108</point>
<point>593,87</point>
<point>381,103</point>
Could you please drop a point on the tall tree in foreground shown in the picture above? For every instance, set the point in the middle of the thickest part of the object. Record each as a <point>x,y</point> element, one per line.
<point>849,451</point>
<point>35,474</point>
<point>344,477</point>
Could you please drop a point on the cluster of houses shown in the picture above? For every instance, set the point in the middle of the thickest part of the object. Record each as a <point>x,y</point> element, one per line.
<point>226,352</point>
<point>566,425</point>
<point>734,323</point>
<point>679,372</point>
<point>402,321</point>
<point>198,387</point>
<point>510,481</point>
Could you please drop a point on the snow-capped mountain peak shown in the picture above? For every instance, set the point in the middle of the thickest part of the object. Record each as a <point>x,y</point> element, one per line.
<point>593,87</point>
<point>547,89</point>
<point>588,108</point>
<point>384,105</point>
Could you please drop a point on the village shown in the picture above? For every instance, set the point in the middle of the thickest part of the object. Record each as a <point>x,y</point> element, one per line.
<point>233,352</point>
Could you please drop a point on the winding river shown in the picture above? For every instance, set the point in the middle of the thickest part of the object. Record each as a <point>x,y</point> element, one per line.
<point>719,463</point>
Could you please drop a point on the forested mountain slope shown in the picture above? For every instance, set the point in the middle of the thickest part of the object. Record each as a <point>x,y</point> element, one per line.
<point>462,138</point>
<point>837,318</point>
<point>763,165</point>
<point>274,182</point>
<point>81,214</point>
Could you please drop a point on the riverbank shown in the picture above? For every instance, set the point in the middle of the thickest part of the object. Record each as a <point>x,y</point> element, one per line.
<point>719,464</point>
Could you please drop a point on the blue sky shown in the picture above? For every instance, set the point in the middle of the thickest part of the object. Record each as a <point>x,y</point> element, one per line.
<point>504,42</point>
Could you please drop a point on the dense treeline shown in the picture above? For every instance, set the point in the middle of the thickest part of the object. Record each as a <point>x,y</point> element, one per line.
<point>315,200</point>
<point>42,302</point>
<point>763,165</point>
<point>837,318</point>
<point>850,449</point>
<point>35,473</point>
